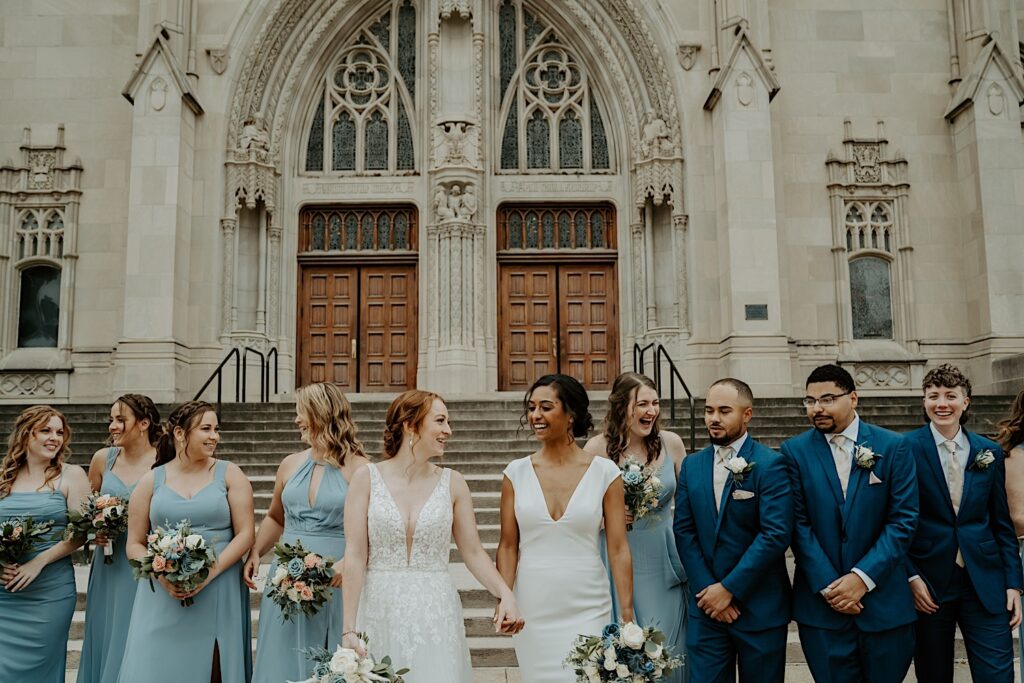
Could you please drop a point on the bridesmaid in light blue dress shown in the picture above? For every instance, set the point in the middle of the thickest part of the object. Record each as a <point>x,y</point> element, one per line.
<point>211,639</point>
<point>308,506</point>
<point>134,430</point>
<point>659,580</point>
<point>37,595</point>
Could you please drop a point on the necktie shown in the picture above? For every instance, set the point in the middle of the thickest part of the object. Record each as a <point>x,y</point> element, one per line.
<point>842,459</point>
<point>723,456</point>
<point>955,481</point>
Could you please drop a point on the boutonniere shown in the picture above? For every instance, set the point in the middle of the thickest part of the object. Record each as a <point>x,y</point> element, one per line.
<point>740,468</point>
<point>865,457</point>
<point>983,459</point>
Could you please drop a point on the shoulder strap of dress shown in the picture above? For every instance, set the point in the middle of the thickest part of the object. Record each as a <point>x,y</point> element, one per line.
<point>112,454</point>
<point>219,470</point>
<point>159,477</point>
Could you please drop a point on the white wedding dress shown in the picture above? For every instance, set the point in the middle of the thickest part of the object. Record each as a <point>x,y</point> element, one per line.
<point>409,608</point>
<point>561,583</point>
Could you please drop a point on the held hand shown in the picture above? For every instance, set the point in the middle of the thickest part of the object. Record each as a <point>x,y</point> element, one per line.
<point>727,616</point>
<point>339,566</point>
<point>714,599</point>
<point>845,592</point>
<point>923,600</point>
<point>629,518</point>
<point>251,570</point>
<point>100,541</point>
<point>175,591</point>
<point>352,642</point>
<point>627,615</point>
<point>24,574</point>
<point>8,574</point>
<point>507,618</point>
<point>1013,606</point>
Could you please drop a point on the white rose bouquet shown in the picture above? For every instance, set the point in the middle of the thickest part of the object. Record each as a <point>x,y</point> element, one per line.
<point>346,666</point>
<point>623,652</point>
<point>177,555</point>
<point>642,487</point>
<point>101,515</point>
<point>301,581</point>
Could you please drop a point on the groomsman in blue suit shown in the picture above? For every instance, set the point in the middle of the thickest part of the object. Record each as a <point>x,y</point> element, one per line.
<point>964,565</point>
<point>733,523</point>
<point>856,507</point>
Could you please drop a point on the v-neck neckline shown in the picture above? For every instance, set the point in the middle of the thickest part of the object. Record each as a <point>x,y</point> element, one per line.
<point>572,496</point>
<point>193,496</point>
<point>410,539</point>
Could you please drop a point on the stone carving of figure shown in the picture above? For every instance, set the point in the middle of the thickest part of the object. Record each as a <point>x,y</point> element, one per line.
<point>455,201</point>
<point>254,136</point>
<point>656,140</point>
<point>441,205</point>
<point>469,204</point>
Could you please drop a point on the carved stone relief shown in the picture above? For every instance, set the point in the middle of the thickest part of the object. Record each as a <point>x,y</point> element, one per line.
<point>40,165</point>
<point>455,144</point>
<point>32,384</point>
<point>867,168</point>
<point>744,89</point>
<point>687,53</point>
<point>158,94</point>
<point>455,202</point>
<point>463,9</point>
<point>882,376</point>
<point>218,60</point>
<point>996,101</point>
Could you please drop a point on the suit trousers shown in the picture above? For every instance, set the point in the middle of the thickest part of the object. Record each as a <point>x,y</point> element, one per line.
<point>849,655</point>
<point>715,649</point>
<point>987,637</point>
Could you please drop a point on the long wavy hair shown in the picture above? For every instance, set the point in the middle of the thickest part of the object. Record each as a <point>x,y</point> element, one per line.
<point>618,420</point>
<point>329,418</point>
<point>187,416</point>
<point>1011,430</point>
<point>28,422</point>
<point>409,408</point>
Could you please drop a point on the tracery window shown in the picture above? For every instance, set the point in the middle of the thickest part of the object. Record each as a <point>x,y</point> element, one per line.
<point>869,246</point>
<point>39,251</point>
<point>550,118</point>
<point>364,120</point>
<point>337,229</point>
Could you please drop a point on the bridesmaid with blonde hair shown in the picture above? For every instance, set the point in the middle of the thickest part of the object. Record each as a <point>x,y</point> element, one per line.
<point>37,595</point>
<point>308,507</point>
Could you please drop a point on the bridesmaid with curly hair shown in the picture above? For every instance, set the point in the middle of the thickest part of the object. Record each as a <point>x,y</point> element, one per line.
<point>37,595</point>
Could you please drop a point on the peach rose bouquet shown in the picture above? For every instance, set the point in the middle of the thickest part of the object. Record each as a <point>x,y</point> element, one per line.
<point>300,581</point>
<point>101,516</point>
<point>18,537</point>
<point>178,555</point>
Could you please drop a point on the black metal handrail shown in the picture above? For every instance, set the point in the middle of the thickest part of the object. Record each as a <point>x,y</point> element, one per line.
<point>271,352</point>
<point>263,373</point>
<point>218,375</point>
<point>660,356</point>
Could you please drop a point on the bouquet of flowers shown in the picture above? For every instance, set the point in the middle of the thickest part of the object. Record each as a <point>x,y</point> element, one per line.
<point>101,515</point>
<point>178,555</point>
<point>346,666</point>
<point>623,652</point>
<point>301,580</point>
<point>642,488</point>
<point>19,535</point>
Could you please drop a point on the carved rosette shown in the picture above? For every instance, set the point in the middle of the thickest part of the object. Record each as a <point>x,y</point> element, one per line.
<point>227,300</point>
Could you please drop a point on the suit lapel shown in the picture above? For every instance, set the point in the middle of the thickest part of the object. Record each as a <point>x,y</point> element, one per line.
<point>969,468</point>
<point>822,455</point>
<point>706,465</point>
<point>934,465</point>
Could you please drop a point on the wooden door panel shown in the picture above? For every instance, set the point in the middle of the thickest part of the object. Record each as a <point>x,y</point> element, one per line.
<point>527,320</point>
<point>388,308</point>
<point>588,300</point>
<point>327,321</point>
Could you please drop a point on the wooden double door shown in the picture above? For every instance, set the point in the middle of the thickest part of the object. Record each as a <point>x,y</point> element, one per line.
<point>557,317</point>
<point>357,326</point>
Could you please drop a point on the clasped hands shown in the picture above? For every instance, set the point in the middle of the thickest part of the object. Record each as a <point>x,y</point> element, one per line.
<point>716,601</point>
<point>845,593</point>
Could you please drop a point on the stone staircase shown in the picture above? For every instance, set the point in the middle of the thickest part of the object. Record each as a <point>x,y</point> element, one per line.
<point>487,435</point>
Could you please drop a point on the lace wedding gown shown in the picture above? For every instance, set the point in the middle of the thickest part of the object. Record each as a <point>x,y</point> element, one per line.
<point>409,608</point>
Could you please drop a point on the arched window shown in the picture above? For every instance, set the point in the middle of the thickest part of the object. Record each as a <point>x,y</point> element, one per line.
<point>869,244</point>
<point>39,309</point>
<point>364,118</point>
<point>550,119</point>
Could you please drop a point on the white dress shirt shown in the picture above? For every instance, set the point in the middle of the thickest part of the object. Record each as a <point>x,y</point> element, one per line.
<point>721,473</point>
<point>851,432</point>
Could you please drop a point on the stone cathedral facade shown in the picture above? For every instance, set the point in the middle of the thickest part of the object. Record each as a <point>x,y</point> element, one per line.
<point>462,195</point>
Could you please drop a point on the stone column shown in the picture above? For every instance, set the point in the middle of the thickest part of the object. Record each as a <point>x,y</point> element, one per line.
<point>228,226</point>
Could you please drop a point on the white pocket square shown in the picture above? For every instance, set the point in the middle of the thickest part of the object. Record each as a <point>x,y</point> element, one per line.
<point>873,479</point>
<point>740,494</point>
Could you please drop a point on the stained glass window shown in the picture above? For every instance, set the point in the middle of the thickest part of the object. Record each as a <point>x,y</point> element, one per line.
<point>315,143</point>
<point>559,226</point>
<point>317,236</point>
<point>376,142</point>
<point>510,140</point>
<point>335,228</point>
<point>570,141</point>
<point>871,298</point>
<point>538,142</point>
<point>407,46</point>
<point>344,143</point>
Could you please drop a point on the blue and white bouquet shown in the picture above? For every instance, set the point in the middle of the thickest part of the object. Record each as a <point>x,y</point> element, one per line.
<point>178,555</point>
<point>622,653</point>
<point>302,580</point>
<point>347,666</point>
<point>642,488</point>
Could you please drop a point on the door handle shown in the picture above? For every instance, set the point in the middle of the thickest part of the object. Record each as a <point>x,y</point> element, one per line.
<point>355,346</point>
<point>554,347</point>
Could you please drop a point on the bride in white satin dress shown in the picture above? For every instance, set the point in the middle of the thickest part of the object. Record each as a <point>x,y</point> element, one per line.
<point>400,516</point>
<point>552,505</point>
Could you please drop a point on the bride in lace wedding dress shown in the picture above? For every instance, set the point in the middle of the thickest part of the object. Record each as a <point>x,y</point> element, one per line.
<point>400,516</point>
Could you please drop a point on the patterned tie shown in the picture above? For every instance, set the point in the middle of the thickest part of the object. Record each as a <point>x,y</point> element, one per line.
<point>955,481</point>
<point>723,456</point>
<point>842,459</point>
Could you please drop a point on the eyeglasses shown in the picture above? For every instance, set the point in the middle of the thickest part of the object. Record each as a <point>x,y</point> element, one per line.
<point>825,401</point>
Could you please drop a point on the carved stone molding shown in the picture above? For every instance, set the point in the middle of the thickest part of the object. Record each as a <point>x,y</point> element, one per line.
<point>227,301</point>
<point>456,316</point>
<point>882,375</point>
<point>867,162</point>
<point>462,9</point>
<point>687,53</point>
<point>218,59</point>
<point>28,384</point>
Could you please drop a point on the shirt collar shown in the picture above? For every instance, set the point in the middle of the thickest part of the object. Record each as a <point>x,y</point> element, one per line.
<point>851,430</point>
<point>962,444</point>
<point>736,445</point>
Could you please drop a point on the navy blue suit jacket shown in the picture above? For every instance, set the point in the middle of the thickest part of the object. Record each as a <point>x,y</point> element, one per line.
<point>743,545</point>
<point>982,530</point>
<point>870,530</point>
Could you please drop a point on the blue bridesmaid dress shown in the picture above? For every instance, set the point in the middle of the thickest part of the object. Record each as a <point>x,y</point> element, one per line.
<point>659,580</point>
<point>321,530</point>
<point>110,598</point>
<point>168,643</point>
<point>34,622</point>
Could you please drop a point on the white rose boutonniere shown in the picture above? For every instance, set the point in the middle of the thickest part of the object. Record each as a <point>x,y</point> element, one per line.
<point>983,459</point>
<point>865,457</point>
<point>740,468</point>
